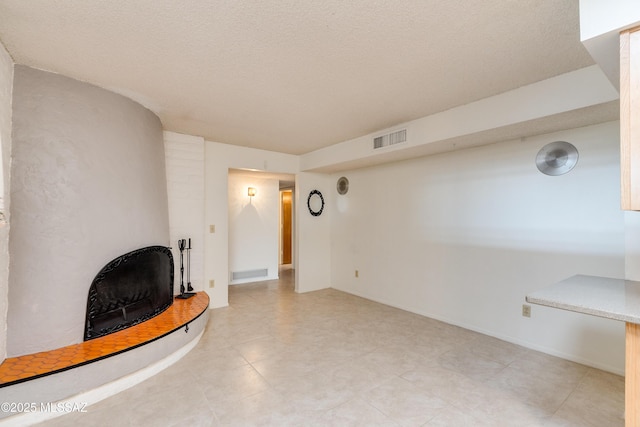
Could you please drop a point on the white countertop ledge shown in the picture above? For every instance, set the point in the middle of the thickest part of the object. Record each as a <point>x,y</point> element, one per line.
<point>616,299</point>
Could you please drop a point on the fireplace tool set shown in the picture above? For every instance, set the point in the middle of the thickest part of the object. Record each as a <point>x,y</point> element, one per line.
<point>182,245</point>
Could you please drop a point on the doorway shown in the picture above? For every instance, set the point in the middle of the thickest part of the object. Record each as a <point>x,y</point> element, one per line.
<point>286,226</point>
<point>255,224</point>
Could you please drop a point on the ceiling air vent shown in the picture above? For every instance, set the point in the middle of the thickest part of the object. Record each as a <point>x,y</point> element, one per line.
<point>392,138</point>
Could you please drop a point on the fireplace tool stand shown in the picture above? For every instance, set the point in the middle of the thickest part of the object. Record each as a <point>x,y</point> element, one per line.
<point>182,245</point>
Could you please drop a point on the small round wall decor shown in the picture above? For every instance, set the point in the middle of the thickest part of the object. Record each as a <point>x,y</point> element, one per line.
<point>315,203</point>
<point>342,185</point>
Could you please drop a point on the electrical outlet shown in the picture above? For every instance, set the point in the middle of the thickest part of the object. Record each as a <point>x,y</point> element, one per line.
<point>212,283</point>
<point>526,310</point>
<point>357,273</point>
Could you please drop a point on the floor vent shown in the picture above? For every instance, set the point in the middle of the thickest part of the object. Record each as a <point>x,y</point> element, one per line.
<point>249,274</point>
<point>392,138</point>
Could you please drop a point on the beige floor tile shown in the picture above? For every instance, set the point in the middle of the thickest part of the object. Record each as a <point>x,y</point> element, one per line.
<point>529,388</point>
<point>210,357</point>
<point>449,385</point>
<point>324,358</point>
<point>551,369</point>
<point>451,416</point>
<point>501,409</point>
<point>170,407</point>
<point>223,388</point>
<point>356,413</point>
<point>398,360</point>
<point>262,348</point>
<point>497,350</point>
<point>470,364</point>
<point>587,409</point>
<point>327,389</point>
<point>605,383</point>
<point>597,401</point>
<point>404,403</point>
<point>268,409</point>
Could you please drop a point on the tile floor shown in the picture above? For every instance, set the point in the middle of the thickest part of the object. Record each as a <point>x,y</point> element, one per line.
<point>326,358</point>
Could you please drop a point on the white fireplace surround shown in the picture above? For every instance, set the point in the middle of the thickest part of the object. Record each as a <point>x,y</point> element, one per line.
<point>96,381</point>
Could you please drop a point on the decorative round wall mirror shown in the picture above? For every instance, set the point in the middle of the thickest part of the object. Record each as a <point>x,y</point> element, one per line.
<point>342,185</point>
<point>557,158</point>
<point>315,203</point>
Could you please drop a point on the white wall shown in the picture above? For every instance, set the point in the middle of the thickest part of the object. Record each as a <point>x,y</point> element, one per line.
<point>464,236</point>
<point>88,185</point>
<point>219,158</point>
<point>599,17</point>
<point>313,233</point>
<point>632,245</point>
<point>6,88</point>
<point>253,226</point>
<point>184,158</point>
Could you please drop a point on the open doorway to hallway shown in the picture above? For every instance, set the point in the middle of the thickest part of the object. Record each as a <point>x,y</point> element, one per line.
<point>257,220</point>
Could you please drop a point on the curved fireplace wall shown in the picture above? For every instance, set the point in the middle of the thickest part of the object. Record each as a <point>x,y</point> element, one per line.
<point>88,185</point>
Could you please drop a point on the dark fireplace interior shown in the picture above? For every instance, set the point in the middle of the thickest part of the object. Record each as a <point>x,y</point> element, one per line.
<point>129,290</point>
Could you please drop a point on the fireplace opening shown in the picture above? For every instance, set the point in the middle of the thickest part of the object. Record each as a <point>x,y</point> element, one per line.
<point>129,290</point>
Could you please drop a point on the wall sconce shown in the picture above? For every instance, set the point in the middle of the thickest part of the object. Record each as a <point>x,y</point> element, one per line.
<point>251,191</point>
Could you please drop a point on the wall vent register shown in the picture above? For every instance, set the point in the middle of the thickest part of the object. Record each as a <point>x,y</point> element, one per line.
<point>389,139</point>
<point>249,274</point>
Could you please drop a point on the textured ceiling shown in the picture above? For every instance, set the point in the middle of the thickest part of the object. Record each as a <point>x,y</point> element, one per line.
<point>295,76</point>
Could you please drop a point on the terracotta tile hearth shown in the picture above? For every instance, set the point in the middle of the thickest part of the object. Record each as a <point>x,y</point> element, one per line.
<point>23,368</point>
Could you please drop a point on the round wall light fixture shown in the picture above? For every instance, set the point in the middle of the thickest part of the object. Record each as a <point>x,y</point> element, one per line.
<point>557,158</point>
<point>342,185</point>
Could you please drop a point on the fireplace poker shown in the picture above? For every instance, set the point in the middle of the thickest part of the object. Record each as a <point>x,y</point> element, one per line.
<point>189,287</point>
<point>181,244</point>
